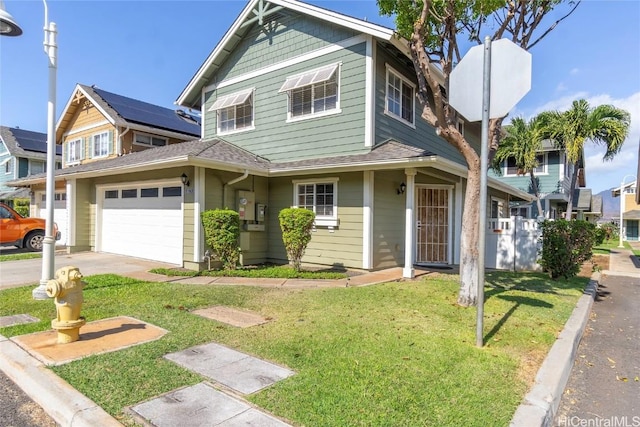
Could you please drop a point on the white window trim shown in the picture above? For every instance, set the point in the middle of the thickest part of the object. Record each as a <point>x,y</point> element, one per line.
<point>501,204</point>
<point>6,164</point>
<point>166,140</point>
<point>336,110</point>
<point>390,69</point>
<point>68,151</point>
<point>460,125</point>
<point>545,167</point>
<point>323,220</point>
<point>92,145</point>
<point>238,95</point>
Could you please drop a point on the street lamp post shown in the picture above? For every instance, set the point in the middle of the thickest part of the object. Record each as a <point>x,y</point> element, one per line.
<point>9,27</point>
<point>622,197</point>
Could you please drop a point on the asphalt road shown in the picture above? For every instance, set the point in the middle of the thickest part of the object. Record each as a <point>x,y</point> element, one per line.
<point>18,410</point>
<point>604,386</point>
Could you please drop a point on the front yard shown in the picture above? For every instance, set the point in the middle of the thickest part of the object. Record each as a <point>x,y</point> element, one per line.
<point>395,354</point>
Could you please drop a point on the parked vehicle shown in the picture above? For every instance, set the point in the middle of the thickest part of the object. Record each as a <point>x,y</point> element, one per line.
<point>16,230</point>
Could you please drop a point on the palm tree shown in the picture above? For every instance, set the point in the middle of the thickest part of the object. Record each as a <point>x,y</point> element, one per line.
<point>603,125</point>
<point>522,143</point>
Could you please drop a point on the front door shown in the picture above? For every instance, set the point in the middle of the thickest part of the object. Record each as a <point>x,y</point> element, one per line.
<point>433,207</point>
<point>632,229</point>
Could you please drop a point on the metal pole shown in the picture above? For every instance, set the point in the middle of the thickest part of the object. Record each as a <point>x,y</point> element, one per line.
<point>48,246</point>
<point>484,160</point>
<point>620,244</point>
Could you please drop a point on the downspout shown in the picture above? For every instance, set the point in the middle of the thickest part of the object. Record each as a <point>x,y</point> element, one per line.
<point>233,181</point>
<point>119,143</point>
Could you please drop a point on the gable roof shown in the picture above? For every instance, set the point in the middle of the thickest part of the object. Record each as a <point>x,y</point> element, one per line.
<point>255,11</point>
<point>25,143</point>
<point>124,111</point>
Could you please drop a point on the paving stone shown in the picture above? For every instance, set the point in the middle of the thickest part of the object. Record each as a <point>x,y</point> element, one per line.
<point>231,316</point>
<point>253,418</point>
<point>17,319</point>
<point>198,405</point>
<point>234,369</point>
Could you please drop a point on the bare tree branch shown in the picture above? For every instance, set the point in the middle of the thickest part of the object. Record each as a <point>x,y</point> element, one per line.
<point>554,25</point>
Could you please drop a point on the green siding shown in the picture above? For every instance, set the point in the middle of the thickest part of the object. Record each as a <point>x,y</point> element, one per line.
<point>293,35</point>
<point>387,127</point>
<point>84,214</point>
<point>343,246</point>
<point>388,221</point>
<point>278,140</point>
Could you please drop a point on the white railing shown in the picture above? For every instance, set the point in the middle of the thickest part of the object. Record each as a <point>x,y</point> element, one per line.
<point>512,244</point>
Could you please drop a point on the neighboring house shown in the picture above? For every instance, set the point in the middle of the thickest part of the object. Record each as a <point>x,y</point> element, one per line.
<point>22,153</point>
<point>554,181</point>
<point>630,211</point>
<point>97,125</point>
<point>301,107</point>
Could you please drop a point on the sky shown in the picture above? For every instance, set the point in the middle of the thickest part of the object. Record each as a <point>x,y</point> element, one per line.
<point>150,50</point>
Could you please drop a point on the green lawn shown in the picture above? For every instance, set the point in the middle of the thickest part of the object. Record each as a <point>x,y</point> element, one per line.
<point>19,256</point>
<point>395,354</point>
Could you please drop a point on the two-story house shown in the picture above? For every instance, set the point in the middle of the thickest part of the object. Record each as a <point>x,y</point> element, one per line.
<point>630,210</point>
<point>553,177</point>
<point>22,153</point>
<point>301,106</point>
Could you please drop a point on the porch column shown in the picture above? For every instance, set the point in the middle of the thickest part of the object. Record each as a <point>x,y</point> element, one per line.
<point>409,232</point>
<point>367,220</point>
<point>71,212</point>
<point>198,208</point>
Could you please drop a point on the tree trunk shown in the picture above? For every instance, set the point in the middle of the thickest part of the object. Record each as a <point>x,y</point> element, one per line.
<point>536,192</point>
<point>468,294</point>
<point>574,178</point>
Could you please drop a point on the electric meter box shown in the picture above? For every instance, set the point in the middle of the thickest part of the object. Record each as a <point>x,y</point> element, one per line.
<point>246,202</point>
<point>260,208</point>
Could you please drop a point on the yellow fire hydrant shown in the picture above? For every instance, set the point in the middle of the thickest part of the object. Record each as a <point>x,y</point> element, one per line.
<point>66,287</point>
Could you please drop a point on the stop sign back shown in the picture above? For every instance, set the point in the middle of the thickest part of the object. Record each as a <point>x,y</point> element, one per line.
<point>510,80</point>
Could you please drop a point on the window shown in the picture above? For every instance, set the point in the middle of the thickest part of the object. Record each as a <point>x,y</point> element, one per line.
<point>130,194</point>
<point>111,194</point>
<point>7,166</point>
<point>60,197</point>
<point>172,192</point>
<point>149,192</point>
<point>234,112</point>
<point>400,97</point>
<point>313,93</point>
<point>74,151</point>
<point>497,208</point>
<point>36,167</point>
<point>319,197</point>
<point>460,124</point>
<point>149,140</point>
<point>510,168</point>
<point>522,211</point>
<point>100,145</point>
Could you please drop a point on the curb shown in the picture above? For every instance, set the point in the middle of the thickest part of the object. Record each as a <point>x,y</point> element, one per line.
<point>63,403</point>
<point>538,409</point>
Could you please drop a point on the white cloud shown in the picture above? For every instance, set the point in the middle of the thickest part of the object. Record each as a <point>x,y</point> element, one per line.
<point>574,71</point>
<point>561,87</point>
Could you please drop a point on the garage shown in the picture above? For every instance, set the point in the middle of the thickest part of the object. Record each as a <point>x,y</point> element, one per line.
<point>59,214</point>
<point>143,220</point>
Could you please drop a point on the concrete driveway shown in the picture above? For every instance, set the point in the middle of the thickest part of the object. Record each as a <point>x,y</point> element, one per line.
<point>28,271</point>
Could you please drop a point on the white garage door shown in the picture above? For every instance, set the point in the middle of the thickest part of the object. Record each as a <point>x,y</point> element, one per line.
<point>144,221</point>
<point>59,214</point>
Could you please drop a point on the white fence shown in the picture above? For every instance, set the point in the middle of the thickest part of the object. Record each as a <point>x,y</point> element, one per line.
<point>512,244</point>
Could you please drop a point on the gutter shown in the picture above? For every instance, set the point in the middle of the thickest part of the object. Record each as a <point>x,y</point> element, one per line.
<point>233,181</point>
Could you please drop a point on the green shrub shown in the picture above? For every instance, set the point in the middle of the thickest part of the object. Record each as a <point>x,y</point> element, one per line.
<point>296,225</point>
<point>610,230</point>
<point>565,246</point>
<point>222,231</point>
<point>22,206</point>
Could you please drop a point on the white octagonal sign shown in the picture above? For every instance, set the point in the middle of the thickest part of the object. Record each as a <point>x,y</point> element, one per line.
<point>510,80</point>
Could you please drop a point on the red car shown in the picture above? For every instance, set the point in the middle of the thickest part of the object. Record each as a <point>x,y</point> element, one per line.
<point>16,230</point>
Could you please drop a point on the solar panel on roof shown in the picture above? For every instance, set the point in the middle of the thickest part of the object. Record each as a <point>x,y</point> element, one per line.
<point>33,141</point>
<point>149,114</point>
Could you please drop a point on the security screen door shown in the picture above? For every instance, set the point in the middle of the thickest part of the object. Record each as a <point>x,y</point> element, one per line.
<point>432,223</point>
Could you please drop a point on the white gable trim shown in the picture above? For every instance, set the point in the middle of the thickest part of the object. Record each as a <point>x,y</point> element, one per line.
<point>323,14</point>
